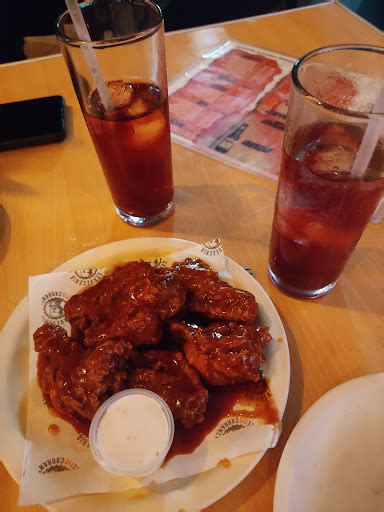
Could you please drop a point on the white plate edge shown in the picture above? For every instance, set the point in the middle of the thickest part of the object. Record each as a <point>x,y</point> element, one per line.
<point>282,485</point>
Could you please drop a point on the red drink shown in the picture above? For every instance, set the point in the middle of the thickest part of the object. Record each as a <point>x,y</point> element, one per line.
<point>134,147</point>
<point>321,211</point>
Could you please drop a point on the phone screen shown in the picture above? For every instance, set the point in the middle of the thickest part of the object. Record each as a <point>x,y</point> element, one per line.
<point>32,122</point>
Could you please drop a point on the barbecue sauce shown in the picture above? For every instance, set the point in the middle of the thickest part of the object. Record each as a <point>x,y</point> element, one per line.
<point>221,402</point>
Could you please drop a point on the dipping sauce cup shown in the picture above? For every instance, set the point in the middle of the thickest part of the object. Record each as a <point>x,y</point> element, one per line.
<point>131,433</point>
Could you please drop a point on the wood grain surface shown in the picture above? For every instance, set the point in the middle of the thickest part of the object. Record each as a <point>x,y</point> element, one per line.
<point>54,204</point>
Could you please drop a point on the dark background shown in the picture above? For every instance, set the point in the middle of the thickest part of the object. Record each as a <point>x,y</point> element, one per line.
<point>22,18</point>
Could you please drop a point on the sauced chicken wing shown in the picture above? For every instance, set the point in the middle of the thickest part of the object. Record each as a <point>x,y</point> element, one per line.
<point>223,353</point>
<point>129,304</point>
<point>168,374</point>
<point>144,327</point>
<point>74,380</point>
<point>129,308</point>
<point>209,295</point>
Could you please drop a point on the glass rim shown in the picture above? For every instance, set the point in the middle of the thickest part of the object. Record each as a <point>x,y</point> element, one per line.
<point>115,41</point>
<point>327,49</point>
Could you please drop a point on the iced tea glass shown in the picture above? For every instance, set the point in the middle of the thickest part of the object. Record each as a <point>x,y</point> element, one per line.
<point>322,203</point>
<point>132,136</point>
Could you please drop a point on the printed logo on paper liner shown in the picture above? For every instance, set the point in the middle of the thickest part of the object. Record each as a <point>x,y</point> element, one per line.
<point>53,307</point>
<point>86,276</point>
<point>212,248</point>
<point>56,465</point>
<point>83,440</point>
<point>159,263</point>
<point>231,425</point>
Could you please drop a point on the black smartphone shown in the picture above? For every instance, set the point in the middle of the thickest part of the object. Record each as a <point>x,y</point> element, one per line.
<point>32,122</point>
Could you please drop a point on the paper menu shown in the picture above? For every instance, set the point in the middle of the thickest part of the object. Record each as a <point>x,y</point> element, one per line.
<point>232,105</point>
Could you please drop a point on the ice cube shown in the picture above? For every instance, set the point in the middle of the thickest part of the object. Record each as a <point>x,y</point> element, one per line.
<point>121,93</point>
<point>317,233</point>
<point>309,227</point>
<point>136,109</point>
<point>148,129</point>
<point>333,148</point>
<point>325,233</point>
<point>336,160</point>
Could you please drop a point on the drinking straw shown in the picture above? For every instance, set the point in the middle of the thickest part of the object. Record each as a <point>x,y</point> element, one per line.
<point>375,129</point>
<point>378,213</point>
<point>89,52</point>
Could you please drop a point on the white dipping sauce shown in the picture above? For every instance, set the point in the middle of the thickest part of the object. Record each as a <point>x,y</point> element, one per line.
<point>134,433</point>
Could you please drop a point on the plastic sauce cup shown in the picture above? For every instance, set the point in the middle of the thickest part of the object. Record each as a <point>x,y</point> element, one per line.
<point>132,432</point>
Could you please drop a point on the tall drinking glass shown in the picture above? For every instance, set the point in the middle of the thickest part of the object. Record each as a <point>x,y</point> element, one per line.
<point>131,134</point>
<point>326,195</point>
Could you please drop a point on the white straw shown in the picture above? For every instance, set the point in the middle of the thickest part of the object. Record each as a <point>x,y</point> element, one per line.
<point>375,129</point>
<point>89,52</point>
<point>378,213</point>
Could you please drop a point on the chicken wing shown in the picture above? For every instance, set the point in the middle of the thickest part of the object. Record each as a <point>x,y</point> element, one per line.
<point>223,353</point>
<point>213,297</point>
<point>74,380</point>
<point>128,304</point>
<point>169,375</point>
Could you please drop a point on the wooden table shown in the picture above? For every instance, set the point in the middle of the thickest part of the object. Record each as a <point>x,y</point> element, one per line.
<point>54,204</point>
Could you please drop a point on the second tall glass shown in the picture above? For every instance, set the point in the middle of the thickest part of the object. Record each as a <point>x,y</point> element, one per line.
<point>326,195</point>
<point>131,134</point>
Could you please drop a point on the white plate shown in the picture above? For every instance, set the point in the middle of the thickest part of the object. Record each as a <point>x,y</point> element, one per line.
<point>333,461</point>
<point>191,493</point>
